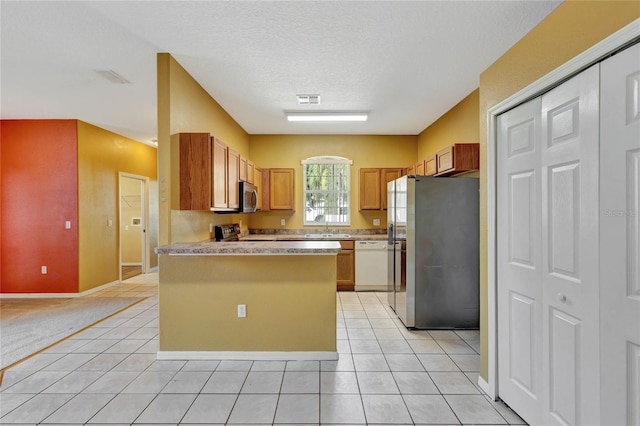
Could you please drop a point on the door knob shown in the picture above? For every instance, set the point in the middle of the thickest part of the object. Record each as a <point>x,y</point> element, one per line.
<point>562,298</point>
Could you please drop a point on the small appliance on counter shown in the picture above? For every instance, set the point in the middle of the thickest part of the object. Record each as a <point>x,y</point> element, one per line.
<point>227,233</point>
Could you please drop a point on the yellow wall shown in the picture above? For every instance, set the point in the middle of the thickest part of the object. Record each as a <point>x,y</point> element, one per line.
<point>568,31</point>
<point>184,106</point>
<point>290,302</point>
<point>459,124</point>
<point>365,151</point>
<point>101,156</point>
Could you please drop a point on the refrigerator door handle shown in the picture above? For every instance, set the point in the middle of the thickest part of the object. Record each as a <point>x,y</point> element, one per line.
<point>390,234</point>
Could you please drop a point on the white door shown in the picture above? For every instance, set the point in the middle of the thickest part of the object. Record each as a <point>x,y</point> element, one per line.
<point>620,238</point>
<point>519,261</point>
<point>570,319</point>
<point>548,255</point>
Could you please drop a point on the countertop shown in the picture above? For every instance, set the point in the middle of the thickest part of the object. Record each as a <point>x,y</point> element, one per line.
<point>263,247</point>
<point>301,237</point>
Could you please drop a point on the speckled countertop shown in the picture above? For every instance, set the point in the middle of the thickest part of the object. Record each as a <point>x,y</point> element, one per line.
<point>252,248</point>
<point>301,237</point>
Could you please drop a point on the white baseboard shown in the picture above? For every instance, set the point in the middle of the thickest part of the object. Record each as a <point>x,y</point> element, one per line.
<point>56,295</point>
<point>370,287</point>
<point>484,386</point>
<point>131,263</point>
<point>154,269</point>
<point>37,295</point>
<point>246,356</point>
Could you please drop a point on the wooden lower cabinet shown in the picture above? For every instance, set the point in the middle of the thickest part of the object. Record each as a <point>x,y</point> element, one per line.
<point>346,269</point>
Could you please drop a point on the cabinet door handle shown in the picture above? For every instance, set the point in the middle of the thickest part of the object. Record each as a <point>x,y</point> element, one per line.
<point>562,298</point>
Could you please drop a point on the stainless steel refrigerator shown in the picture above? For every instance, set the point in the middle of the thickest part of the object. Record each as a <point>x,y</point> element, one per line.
<point>433,251</point>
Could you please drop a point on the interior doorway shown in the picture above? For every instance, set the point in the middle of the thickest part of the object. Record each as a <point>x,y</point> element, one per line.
<point>134,206</point>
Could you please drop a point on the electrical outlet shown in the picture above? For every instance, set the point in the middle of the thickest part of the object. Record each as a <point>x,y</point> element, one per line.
<point>43,270</point>
<point>242,311</point>
<point>109,222</point>
<point>210,227</point>
<point>376,222</point>
<point>67,224</point>
<point>282,222</point>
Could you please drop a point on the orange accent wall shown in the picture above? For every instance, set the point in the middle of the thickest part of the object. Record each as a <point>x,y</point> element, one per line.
<point>39,181</point>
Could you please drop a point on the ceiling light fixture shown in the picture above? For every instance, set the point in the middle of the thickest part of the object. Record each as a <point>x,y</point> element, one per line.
<point>326,116</point>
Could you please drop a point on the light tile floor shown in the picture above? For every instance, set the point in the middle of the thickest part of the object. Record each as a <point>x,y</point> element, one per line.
<point>386,374</point>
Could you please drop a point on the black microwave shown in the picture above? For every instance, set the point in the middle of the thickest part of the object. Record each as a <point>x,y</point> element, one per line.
<point>248,197</point>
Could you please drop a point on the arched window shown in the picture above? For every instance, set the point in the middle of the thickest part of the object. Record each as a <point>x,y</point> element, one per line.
<point>326,191</point>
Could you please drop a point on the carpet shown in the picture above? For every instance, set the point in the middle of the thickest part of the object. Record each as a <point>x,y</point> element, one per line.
<point>25,334</point>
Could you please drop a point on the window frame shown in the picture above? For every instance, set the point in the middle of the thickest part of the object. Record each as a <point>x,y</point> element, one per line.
<point>334,161</point>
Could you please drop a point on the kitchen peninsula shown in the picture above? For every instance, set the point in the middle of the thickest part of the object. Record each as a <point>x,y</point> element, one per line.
<point>288,291</point>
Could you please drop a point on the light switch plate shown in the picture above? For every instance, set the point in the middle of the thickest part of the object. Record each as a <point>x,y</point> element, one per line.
<point>376,222</point>
<point>282,222</point>
<point>242,311</point>
<point>67,224</point>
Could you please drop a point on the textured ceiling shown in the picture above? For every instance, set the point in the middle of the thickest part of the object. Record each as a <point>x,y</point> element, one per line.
<point>406,62</point>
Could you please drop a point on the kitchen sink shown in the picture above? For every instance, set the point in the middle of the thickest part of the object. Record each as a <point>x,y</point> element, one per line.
<point>324,236</point>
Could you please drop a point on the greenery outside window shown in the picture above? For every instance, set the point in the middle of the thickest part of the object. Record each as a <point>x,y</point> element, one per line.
<point>327,191</point>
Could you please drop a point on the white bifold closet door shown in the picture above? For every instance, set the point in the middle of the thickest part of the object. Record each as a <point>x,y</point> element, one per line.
<point>548,254</point>
<point>569,249</point>
<point>620,238</point>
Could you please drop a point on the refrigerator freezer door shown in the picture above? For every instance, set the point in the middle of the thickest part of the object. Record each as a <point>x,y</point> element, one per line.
<point>391,297</point>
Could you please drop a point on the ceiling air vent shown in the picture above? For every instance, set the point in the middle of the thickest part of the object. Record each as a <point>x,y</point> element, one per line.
<point>308,99</point>
<point>113,76</point>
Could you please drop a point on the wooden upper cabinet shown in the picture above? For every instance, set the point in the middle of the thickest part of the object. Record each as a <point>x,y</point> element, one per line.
<point>373,186</point>
<point>251,172</point>
<point>458,158</point>
<point>242,173</point>
<point>420,168</point>
<point>233,178</point>
<point>386,176</point>
<point>195,171</point>
<point>411,170</point>
<point>370,189</point>
<point>281,189</point>
<point>264,192</point>
<point>219,175</point>
<point>257,181</point>
<point>430,166</point>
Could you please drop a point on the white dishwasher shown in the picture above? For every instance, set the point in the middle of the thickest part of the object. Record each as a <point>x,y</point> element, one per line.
<point>371,265</point>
